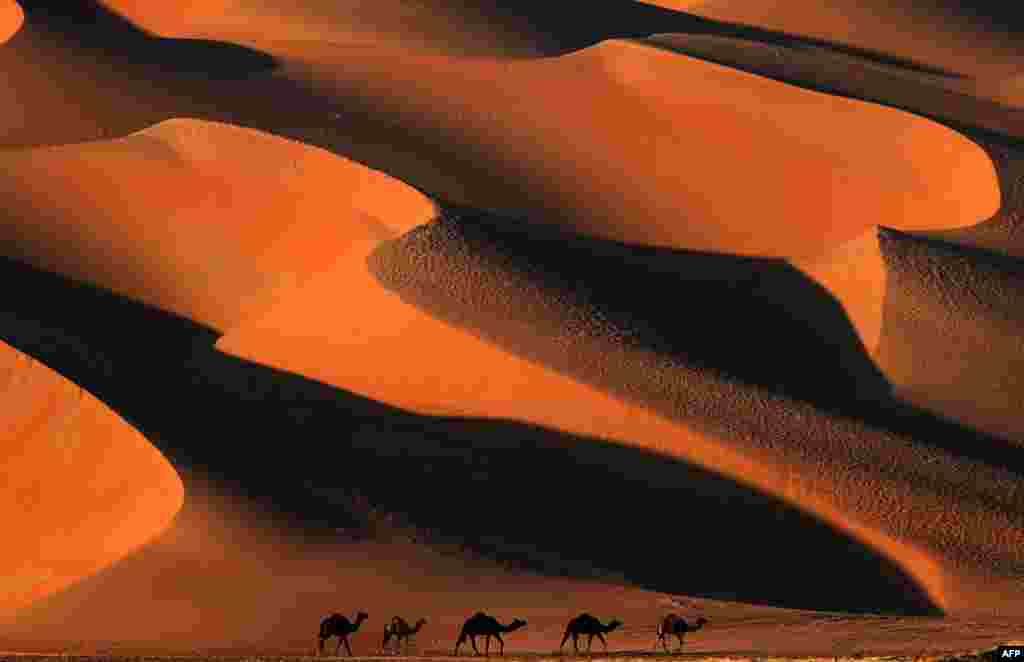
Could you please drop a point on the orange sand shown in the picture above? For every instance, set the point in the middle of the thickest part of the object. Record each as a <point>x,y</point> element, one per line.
<point>79,488</point>
<point>222,581</point>
<point>11,18</point>
<point>823,468</point>
<point>977,42</point>
<point>196,218</point>
<point>746,147</point>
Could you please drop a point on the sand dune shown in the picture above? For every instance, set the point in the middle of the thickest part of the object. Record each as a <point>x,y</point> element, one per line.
<point>960,101</point>
<point>11,19</point>
<point>655,273</point>
<point>80,488</point>
<point>197,218</point>
<point>265,592</point>
<point>741,131</point>
<point>834,467</point>
<point>977,39</point>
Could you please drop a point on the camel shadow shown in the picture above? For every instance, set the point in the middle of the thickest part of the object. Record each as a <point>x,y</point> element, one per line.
<point>634,516</point>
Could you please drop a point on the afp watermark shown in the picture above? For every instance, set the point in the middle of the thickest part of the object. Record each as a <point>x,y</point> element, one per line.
<point>1010,652</point>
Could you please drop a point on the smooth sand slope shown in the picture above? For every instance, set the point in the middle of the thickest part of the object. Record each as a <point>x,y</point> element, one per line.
<point>196,218</point>
<point>79,488</point>
<point>516,137</point>
<point>960,548</point>
<point>977,39</point>
<point>11,19</point>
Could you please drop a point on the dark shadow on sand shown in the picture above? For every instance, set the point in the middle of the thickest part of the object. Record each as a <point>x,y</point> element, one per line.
<point>549,501</point>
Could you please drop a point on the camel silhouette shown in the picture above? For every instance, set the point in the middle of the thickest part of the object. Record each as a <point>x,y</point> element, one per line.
<point>399,629</point>
<point>338,626</point>
<point>676,625</point>
<point>480,624</point>
<point>590,626</point>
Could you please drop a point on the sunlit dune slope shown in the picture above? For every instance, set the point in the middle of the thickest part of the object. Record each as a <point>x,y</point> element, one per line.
<point>710,153</point>
<point>11,18</point>
<point>197,218</point>
<point>977,39</point>
<point>79,487</point>
<point>947,519</point>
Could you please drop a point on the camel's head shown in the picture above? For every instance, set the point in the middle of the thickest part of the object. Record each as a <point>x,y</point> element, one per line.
<point>615,623</point>
<point>420,623</point>
<point>701,622</point>
<point>516,624</point>
<point>361,616</point>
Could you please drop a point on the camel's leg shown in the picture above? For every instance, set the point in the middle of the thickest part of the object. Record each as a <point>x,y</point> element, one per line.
<point>664,641</point>
<point>564,639</point>
<point>487,645</point>
<point>501,641</point>
<point>347,647</point>
<point>590,642</point>
<point>576,642</point>
<point>679,636</point>
<point>605,643</point>
<point>472,640</point>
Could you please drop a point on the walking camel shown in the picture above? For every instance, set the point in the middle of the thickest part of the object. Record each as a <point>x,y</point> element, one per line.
<point>338,626</point>
<point>482,625</point>
<point>590,626</point>
<point>673,624</point>
<point>400,629</point>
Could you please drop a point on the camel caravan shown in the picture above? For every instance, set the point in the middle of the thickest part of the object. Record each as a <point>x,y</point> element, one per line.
<point>483,625</point>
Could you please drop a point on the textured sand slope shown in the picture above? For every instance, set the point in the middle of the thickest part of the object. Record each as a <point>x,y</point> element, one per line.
<point>79,488</point>
<point>832,466</point>
<point>197,218</point>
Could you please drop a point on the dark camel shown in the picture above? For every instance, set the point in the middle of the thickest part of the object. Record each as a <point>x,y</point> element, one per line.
<point>590,626</point>
<point>482,625</point>
<point>338,626</point>
<point>400,629</point>
<point>675,625</point>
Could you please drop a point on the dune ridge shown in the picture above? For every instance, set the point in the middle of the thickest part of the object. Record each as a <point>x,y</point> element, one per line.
<point>540,396</point>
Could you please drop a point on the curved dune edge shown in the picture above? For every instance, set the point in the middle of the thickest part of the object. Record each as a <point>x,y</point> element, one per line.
<point>11,19</point>
<point>489,382</point>
<point>741,133</point>
<point>975,42</point>
<point>971,102</point>
<point>81,488</point>
<point>201,219</point>
<point>855,274</point>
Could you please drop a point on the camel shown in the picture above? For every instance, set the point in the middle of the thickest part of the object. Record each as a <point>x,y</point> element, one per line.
<point>400,629</point>
<point>337,625</point>
<point>480,624</point>
<point>676,625</point>
<point>590,626</point>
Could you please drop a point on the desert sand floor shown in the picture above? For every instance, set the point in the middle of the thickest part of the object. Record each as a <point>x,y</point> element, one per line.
<point>433,308</point>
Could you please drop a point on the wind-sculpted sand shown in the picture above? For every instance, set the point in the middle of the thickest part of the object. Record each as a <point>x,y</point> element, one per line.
<point>669,297</point>
<point>79,488</point>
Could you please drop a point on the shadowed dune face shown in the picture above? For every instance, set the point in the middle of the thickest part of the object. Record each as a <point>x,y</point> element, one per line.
<point>456,27</point>
<point>201,219</point>
<point>340,445</point>
<point>977,39</point>
<point>80,488</point>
